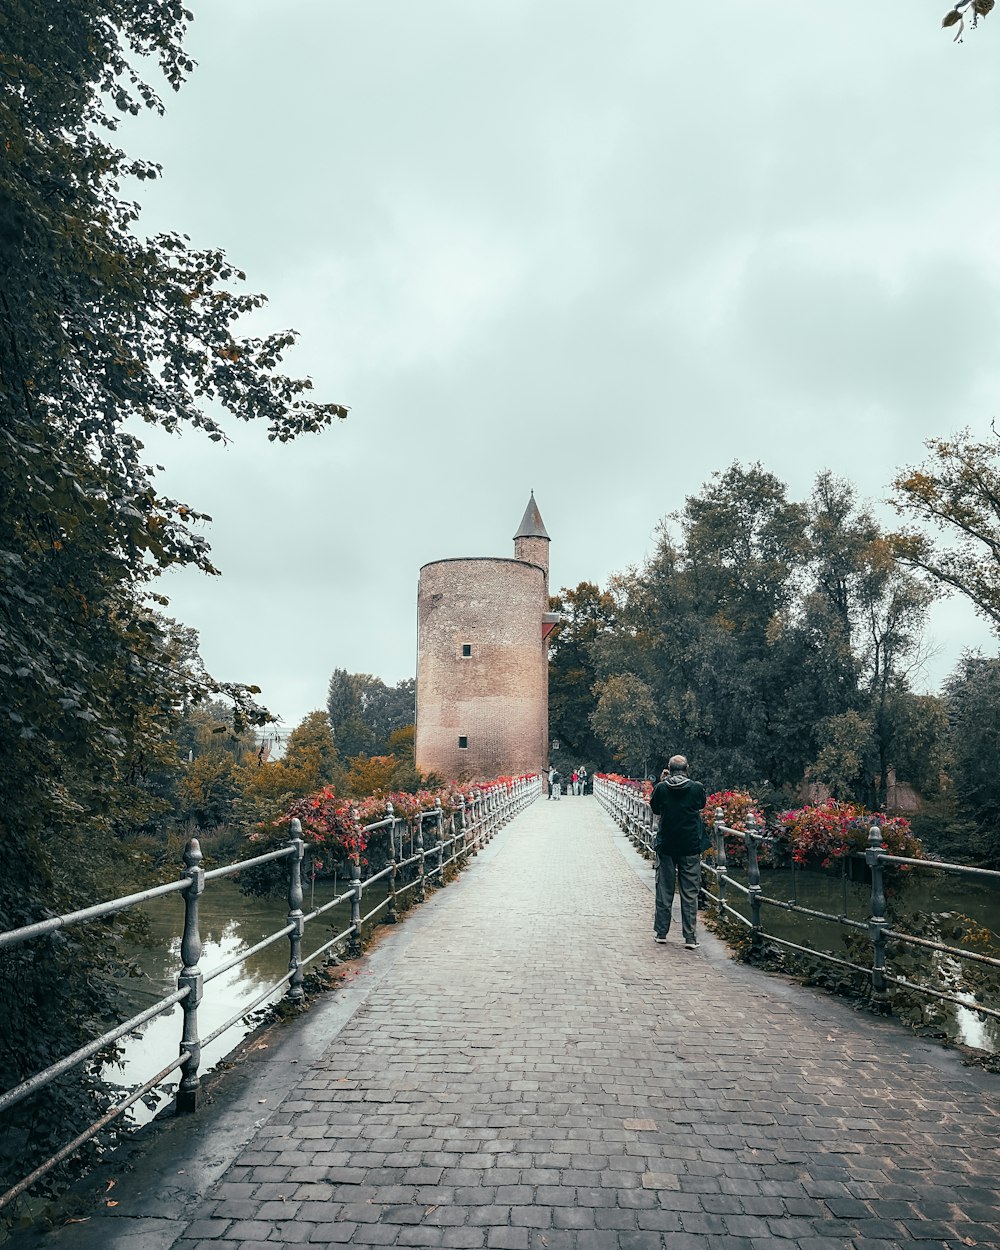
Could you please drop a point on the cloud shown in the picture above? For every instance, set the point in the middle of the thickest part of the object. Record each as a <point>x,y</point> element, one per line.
<point>594,250</point>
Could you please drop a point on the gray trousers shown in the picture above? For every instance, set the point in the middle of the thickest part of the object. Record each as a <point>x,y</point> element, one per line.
<point>688,868</point>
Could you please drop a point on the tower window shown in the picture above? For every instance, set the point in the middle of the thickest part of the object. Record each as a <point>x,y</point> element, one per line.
<point>466,648</point>
<point>463,742</point>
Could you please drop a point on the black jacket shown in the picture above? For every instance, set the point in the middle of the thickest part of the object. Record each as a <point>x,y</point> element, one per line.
<point>678,802</point>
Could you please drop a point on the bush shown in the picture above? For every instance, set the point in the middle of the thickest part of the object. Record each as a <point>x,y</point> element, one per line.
<point>735,806</point>
<point>819,834</point>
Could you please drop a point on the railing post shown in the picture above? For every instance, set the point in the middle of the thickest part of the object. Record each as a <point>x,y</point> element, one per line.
<point>463,816</point>
<point>439,821</point>
<point>295,991</point>
<point>356,947</point>
<point>190,979</point>
<point>843,886</point>
<point>391,915</point>
<point>721,868</point>
<point>421,894</point>
<point>877,922</point>
<point>753,882</point>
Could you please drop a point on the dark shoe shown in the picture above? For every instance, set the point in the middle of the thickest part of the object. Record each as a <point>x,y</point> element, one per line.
<point>659,937</point>
<point>691,946</point>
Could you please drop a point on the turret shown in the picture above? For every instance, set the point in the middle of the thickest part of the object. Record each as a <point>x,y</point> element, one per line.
<point>531,542</point>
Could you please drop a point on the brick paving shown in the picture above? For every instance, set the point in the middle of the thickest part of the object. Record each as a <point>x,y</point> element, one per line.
<point>538,1073</point>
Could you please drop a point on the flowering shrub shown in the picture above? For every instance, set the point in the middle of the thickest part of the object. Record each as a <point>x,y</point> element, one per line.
<point>736,806</point>
<point>328,823</point>
<point>645,788</point>
<point>338,830</point>
<point>820,834</point>
<point>339,826</point>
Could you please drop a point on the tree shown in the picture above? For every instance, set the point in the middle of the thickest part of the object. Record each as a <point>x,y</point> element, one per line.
<point>364,711</point>
<point>311,748</point>
<point>957,492</point>
<point>776,639</point>
<point>197,769</point>
<point>893,606</point>
<point>625,717</point>
<point>407,777</point>
<point>863,615</point>
<point>266,787</point>
<point>345,704</point>
<point>956,16</point>
<point>972,695</point>
<point>742,540</point>
<point>587,612</point>
<point>367,774</point>
<point>844,762</point>
<point>101,329</point>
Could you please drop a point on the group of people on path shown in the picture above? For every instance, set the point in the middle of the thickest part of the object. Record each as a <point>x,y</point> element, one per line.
<point>577,783</point>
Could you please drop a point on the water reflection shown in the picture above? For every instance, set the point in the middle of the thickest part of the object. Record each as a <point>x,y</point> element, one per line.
<point>229,923</point>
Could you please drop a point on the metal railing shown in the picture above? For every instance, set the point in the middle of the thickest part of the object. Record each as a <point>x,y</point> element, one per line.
<point>412,863</point>
<point>629,808</point>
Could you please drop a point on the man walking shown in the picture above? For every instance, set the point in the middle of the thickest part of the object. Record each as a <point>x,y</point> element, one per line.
<point>678,801</point>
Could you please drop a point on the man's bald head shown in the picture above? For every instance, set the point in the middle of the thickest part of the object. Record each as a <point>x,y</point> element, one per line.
<point>677,764</point>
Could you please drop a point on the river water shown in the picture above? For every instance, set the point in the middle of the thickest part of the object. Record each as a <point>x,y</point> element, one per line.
<point>230,922</point>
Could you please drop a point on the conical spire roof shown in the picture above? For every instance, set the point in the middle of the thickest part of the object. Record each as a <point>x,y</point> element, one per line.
<point>531,523</point>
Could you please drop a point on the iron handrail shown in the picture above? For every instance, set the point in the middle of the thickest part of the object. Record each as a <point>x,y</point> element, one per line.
<point>479,821</point>
<point>14,1095</point>
<point>14,937</point>
<point>242,956</point>
<point>231,870</point>
<point>630,810</point>
<point>944,865</point>
<point>92,1130</point>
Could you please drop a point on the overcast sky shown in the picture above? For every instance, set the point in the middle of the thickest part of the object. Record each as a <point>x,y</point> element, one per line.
<point>598,250</point>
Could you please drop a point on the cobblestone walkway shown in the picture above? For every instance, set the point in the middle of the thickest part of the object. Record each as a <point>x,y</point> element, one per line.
<point>537,1073</point>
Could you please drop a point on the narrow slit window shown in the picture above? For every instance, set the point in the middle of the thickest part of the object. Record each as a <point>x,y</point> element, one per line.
<point>463,742</point>
<point>466,648</point>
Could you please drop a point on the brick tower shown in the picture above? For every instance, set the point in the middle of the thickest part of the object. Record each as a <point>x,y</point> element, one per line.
<point>482,660</point>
